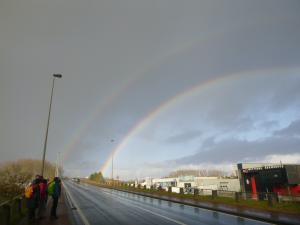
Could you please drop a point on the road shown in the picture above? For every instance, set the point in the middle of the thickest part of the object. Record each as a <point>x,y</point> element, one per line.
<point>104,206</point>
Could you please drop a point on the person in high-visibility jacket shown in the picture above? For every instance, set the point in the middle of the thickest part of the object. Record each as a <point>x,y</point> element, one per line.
<point>54,190</point>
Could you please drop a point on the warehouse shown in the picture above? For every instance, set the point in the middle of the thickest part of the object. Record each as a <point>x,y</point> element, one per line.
<point>188,182</point>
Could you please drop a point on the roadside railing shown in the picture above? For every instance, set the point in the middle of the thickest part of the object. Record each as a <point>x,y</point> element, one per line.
<point>12,211</point>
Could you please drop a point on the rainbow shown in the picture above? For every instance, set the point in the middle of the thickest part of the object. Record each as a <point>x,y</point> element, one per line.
<point>164,106</point>
<point>96,113</point>
<point>135,78</point>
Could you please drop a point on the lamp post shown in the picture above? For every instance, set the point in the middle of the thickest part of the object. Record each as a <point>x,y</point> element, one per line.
<point>47,129</point>
<point>57,165</point>
<point>112,164</point>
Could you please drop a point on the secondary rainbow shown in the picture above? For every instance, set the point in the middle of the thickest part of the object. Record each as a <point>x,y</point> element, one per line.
<point>179,97</point>
<point>159,60</point>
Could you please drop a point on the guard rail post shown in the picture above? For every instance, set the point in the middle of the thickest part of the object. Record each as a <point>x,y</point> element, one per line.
<point>272,199</point>
<point>237,196</point>
<point>196,192</point>
<point>181,191</point>
<point>214,194</point>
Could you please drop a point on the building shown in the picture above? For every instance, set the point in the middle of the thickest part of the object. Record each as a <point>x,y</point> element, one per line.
<point>164,182</point>
<point>265,177</point>
<point>216,183</point>
<point>189,182</point>
<point>186,182</point>
<point>159,182</point>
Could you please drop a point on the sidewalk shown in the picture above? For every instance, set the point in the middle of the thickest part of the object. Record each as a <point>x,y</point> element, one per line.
<point>62,213</point>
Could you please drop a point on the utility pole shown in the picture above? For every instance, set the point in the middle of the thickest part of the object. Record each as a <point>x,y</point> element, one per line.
<point>57,165</point>
<point>112,167</point>
<point>112,164</point>
<point>48,121</point>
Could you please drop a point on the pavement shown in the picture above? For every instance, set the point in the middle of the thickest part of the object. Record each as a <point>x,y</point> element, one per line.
<point>95,205</point>
<point>63,213</point>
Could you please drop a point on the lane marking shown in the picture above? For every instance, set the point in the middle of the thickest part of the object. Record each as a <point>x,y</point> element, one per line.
<point>157,214</point>
<point>149,211</point>
<point>82,216</point>
<point>88,195</point>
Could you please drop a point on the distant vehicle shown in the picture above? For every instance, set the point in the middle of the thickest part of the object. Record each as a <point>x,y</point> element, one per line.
<point>75,179</point>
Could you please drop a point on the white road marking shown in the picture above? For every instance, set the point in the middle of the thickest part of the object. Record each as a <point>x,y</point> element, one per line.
<point>211,210</point>
<point>157,214</point>
<point>149,211</point>
<point>82,216</point>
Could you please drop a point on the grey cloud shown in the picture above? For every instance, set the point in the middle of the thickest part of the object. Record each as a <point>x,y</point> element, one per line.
<point>292,130</point>
<point>184,137</point>
<point>233,150</point>
<point>269,124</point>
<point>81,168</point>
<point>256,97</point>
<point>288,93</point>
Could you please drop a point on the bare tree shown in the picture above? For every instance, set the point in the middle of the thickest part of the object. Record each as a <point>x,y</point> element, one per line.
<point>196,173</point>
<point>15,175</point>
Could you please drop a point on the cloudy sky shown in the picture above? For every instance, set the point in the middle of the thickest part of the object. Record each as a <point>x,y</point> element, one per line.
<point>174,84</point>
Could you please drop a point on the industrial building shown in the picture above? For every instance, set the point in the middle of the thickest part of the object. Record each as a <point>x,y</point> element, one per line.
<point>283,179</point>
<point>188,182</point>
<point>253,178</point>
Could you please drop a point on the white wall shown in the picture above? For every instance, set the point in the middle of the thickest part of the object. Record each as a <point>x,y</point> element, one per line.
<point>217,183</point>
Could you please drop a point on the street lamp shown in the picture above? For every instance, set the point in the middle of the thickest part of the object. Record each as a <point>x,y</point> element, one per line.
<point>47,129</point>
<point>112,164</point>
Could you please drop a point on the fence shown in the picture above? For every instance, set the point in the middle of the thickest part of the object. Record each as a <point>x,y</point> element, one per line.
<point>11,211</point>
<point>271,197</point>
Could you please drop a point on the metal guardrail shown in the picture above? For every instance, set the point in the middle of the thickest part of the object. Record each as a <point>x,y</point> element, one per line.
<point>12,210</point>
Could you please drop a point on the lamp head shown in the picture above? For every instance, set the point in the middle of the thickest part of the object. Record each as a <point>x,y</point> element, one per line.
<point>57,75</point>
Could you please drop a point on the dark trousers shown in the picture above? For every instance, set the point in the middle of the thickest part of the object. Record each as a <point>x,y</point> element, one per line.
<point>41,208</point>
<point>31,205</point>
<point>54,206</point>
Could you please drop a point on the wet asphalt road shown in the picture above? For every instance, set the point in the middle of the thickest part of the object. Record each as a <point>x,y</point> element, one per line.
<point>104,206</point>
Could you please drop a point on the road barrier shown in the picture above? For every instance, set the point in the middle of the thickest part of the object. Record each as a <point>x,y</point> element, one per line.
<point>13,210</point>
